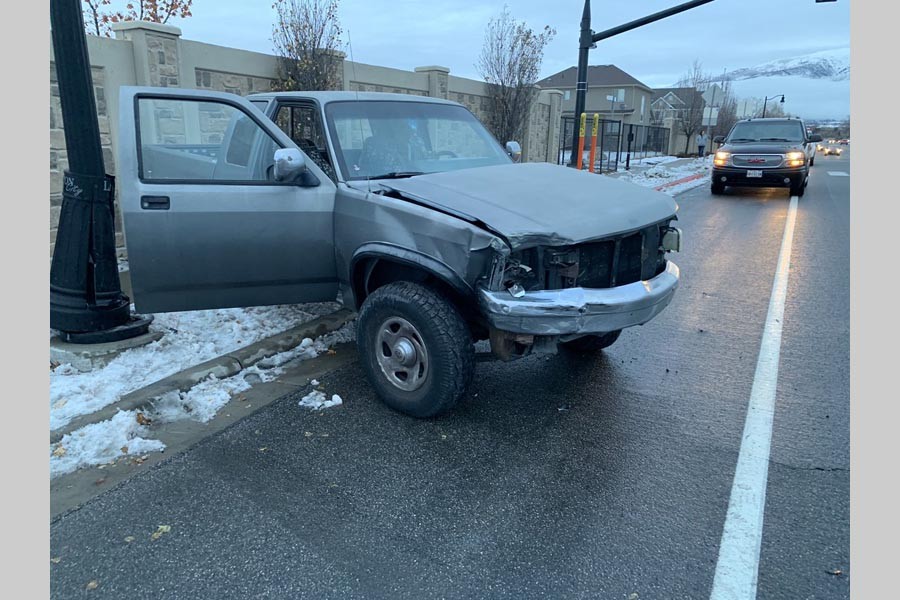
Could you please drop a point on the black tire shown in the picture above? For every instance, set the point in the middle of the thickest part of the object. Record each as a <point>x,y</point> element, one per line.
<point>437,332</point>
<point>798,190</point>
<point>812,161</point>
<point>717,189</point>
<point>592,343</point>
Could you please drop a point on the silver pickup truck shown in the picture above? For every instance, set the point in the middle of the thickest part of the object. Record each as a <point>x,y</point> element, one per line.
<point>403,207</point>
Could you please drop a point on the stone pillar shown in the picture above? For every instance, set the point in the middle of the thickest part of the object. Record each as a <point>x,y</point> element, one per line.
<point>157,59</point>
<point>555,99</point>
<point>438,81</point>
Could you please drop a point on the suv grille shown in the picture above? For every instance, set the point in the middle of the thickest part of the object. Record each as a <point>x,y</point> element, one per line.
<point>757,161</point>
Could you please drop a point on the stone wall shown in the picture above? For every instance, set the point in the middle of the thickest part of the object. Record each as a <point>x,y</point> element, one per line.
<point>150,54</point>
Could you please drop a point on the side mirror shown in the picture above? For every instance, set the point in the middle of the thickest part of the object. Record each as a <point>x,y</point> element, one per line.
<point>719,139</point>
<point>289,164</point>
<point>514,150</point>
<point>815,138</point>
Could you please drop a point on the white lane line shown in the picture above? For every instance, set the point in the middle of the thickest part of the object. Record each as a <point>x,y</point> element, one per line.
<point>738,564</point>
<point>839,173</point>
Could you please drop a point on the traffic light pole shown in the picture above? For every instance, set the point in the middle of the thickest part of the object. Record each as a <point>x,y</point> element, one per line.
<point>86,300</point>
<point>588,39</point>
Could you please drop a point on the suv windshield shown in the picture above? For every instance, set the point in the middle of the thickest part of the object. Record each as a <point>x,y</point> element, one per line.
<point>767,131</point>
<point>374,139</point>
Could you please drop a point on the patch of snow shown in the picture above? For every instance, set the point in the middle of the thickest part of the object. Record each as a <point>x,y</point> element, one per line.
<point>657,160</point>
<point>659,175</point>
<point>316,400</point>
<point>189,338</point>
<point>101,443</point>
<point>205,399</point>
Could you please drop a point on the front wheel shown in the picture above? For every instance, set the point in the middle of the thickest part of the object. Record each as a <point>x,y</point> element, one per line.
<point>799,189</point>
<point>592,343</point>
<point>717,189</point>
<point>812,161</point>
<point>415,348</point>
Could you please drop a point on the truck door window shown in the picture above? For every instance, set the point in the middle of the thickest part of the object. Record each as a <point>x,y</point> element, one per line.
<point>303,125</point>
<point>194,140</point>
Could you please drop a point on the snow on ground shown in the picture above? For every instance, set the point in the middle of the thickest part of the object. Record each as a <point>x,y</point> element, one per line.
<point>189,338</point>
<point>666,173</point>
<point>204,400</point>
<point>124,434</point>
<point>316,400</point>
<point>102,443</point>
<point>655,160</point>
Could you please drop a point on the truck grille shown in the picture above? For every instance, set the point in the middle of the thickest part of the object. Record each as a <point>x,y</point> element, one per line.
<point>602,264</point>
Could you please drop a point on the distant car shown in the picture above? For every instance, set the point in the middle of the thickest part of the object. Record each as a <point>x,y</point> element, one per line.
<point>834,150</point>
<point>820,147</point>
<point>844,142</point>
<point>774,152</point>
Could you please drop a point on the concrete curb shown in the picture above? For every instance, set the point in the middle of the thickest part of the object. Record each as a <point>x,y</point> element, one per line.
<point>680,181</point>
<point>223,366</point>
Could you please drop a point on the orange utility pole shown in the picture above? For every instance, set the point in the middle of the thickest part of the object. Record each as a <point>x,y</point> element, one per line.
<point>581,140</point>
<point>594,142</point>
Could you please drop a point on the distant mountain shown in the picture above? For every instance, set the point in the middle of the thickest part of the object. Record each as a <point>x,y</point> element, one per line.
<point>816,86</point>
<point>833,65</point>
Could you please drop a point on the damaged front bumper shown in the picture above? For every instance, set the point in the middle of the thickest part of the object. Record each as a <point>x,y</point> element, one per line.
<point>580,310</point>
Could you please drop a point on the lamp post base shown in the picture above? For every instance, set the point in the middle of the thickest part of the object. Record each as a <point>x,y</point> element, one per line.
<point>135,326</point>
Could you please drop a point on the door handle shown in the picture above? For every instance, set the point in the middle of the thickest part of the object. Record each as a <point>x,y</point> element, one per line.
<point>155,202</point>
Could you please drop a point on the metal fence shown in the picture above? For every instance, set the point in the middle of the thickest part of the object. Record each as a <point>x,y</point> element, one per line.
<point>613,146</point>
<point>647,141</point>
<point>609,138</point>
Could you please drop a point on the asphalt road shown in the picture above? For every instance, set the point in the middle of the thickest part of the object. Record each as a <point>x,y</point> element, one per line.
<point>557,477</point>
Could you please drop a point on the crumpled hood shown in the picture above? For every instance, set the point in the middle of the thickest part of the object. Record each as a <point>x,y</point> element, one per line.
<point>533,204</point>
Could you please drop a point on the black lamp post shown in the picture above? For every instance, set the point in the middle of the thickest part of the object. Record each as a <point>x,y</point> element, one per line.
<point>86,300</point>
<point>771,98</point>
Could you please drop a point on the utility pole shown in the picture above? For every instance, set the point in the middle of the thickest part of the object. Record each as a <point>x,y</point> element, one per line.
<point>86,301</point>
<point>588,39</point>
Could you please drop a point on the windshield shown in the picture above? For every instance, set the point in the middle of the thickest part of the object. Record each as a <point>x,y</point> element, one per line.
<point>767,131</point>
<point>375,139</point>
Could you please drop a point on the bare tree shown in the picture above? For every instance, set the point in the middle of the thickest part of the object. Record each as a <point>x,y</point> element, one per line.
<point>691,118</point>
<point>510,62</point>
<point>774,108</point>
<point>727,115</point>
<point>307,38</point>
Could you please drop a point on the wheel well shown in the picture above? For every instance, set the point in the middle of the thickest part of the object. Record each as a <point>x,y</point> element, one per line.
<point>369,274</point>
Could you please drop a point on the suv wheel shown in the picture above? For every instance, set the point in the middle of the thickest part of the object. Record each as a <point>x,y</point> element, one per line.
<point>415,348</point>
<point>798,190</point>
<point>717,189</point>
<point>812,161</point>
<point>592,343</point>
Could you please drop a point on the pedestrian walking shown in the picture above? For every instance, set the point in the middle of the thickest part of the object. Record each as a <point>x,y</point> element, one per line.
<point>701,143</point>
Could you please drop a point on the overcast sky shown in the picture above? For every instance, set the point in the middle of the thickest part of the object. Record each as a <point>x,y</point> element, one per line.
<point>409,33</point>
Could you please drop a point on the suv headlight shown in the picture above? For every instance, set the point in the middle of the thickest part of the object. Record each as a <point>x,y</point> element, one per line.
<point>721,158</point>
<point>795,159</point>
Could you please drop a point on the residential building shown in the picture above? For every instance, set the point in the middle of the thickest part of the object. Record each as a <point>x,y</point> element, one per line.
<point>622,101</point>
<point>673,107</point>
<point>612,93</point>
